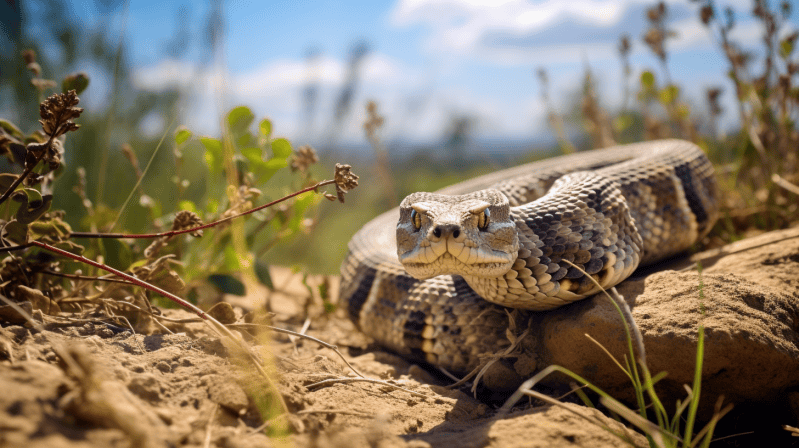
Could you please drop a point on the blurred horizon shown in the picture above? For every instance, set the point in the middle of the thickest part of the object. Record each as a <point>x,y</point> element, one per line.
<point>430,65</point>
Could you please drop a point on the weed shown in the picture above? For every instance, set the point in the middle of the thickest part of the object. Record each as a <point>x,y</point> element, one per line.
<point>36,278</point>
<point>667,432</point>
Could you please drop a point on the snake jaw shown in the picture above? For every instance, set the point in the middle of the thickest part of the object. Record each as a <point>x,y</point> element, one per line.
<point>440,234</point>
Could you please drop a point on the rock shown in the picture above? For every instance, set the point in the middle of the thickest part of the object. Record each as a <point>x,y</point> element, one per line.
<point>749,307</point>
<point>227,393</point>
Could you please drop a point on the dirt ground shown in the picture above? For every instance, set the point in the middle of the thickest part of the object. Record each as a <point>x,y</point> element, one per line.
<point>91,383</point>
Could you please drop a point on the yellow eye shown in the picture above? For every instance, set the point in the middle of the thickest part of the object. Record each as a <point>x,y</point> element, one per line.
<point>416,220</point>
<point>482,220</point>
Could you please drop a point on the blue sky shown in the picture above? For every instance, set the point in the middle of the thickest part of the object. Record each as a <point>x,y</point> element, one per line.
<point>429,60</point>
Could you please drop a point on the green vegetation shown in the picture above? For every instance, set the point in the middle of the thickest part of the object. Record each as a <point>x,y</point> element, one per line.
<point>189,180</point>
<point>675,430</point>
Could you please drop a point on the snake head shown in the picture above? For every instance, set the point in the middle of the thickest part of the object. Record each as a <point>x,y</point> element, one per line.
<point>470,235</point>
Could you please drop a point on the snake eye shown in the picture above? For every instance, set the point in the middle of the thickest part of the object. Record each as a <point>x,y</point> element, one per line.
<point>482,220</point>
<point>416,220</point>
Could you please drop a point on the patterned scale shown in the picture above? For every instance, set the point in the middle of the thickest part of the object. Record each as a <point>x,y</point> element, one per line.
<point>605,211</point>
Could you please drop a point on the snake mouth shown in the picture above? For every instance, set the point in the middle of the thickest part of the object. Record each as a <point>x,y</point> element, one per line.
<point>447,263</point>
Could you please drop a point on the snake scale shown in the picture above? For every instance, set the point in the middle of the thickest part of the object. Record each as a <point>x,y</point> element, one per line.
<point>435,278</point>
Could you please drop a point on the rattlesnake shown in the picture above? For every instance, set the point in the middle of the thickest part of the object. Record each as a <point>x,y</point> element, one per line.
<point>501,240</point>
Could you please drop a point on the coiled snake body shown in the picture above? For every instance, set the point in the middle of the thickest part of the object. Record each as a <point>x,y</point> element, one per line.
<point>433,278</point>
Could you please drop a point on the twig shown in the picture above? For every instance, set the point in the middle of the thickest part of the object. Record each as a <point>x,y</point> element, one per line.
<point>303,336</point>
<point>204,226</point>
<point>18,180</point>
<point>213,323</point>
<point>334,411</point>
<point>85,277</point>
<point>366,380</point>
<point>497,357</point>
<point>15,248</point>
<point>777,179</point>
<point>125,276</point>
<point>209,426</point>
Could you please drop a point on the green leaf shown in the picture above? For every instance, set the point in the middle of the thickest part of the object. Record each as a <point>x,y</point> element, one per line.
<point>55,228</point>
<point>188,206</point>
<point>281,148</point>
<point>228,284</point>
<point>253,154</point>
<point>622,122</point>
<point>301,204</point>
<point>32,205</point>
<point>16,232</point>
<point>647,80</point>
<point>269,168</point>
<point>786,48</point>
<point>213,154</point>
<point>181,135</point>
<point>683,111</point>
<point>11,129</point>
<point>239,120</point>
<point>265,127</point>
<point>6,180</point>
<point>77,82</point>
<point>232,259</point>
<point>262,272</point>
<point>669,94</point>
<point>212,206</point>
<point>117,254</point>
<point>138,263</point>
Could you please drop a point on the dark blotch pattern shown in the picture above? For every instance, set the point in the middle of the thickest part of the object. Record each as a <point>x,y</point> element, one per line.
<point>683,172</point>
<point>358,298</point>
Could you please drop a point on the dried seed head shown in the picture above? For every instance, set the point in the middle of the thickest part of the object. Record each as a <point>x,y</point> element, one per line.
<point>304,157</point>
<point>374,121</point>
<point>624,45</point>
<point>29,56</point>
<point>57,113</point>
<point>654,39</point>
<point>713,100</point>
<point>345,180</point>
<point>706,14</point>
<point>185,219</point>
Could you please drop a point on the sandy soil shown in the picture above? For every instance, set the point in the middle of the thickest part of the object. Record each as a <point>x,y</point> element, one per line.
<point>91,384</point>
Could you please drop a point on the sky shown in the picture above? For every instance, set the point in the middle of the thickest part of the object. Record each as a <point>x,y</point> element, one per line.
<point>428,60</point>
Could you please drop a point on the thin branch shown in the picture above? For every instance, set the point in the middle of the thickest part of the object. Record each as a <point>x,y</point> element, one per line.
<point>15,248</point>
<point>334,411</point>
<point>18,181</point>
<point>85,277</point>
<point>204,226</point>
<point>303,336</point>
<point>213,323</point>
<point>779,180</point>
<point>365,380</point>
<point>125,276</point>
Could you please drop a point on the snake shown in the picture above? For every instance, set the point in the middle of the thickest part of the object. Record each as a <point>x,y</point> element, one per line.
<point>436,278</point>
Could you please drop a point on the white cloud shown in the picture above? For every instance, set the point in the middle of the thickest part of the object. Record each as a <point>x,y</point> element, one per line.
<point>167,73</point>
<point>521,32</point>
<point>461,25</point>
<point>275,89</point>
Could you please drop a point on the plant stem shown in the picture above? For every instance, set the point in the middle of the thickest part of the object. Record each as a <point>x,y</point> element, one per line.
<point>213,323</point>
<point>202,227</point>
<point>17,181</point>
<point>123,275</point>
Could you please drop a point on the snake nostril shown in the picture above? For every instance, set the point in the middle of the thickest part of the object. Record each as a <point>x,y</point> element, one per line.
<point>446,231</point>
